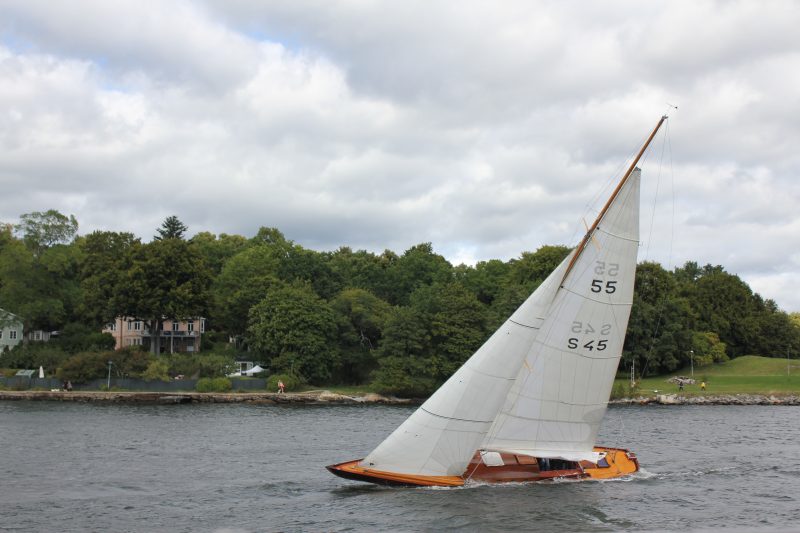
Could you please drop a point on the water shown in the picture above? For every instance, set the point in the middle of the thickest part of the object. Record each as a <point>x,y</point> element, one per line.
<point>83,467</point>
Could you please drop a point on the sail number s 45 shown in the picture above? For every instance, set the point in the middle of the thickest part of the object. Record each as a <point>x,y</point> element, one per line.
<point>587,328</point>
<point>590,345</point>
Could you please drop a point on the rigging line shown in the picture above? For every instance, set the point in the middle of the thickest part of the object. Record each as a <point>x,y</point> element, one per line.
<point>662,302</point>
<point>655,197</point>
<point>672,186</point>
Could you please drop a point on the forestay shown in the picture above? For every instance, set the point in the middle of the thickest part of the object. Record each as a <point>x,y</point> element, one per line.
<point>559,397</point>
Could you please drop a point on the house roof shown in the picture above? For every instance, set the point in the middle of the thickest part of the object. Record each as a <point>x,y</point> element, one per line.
<point>7,317</point>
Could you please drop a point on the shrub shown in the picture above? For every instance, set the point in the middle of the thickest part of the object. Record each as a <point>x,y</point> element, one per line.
<point>33,355</point>
<point>202,365</point>
<point>213,385</point>
<point>215,365</point>
<point>622,390</point>
<point>86,366</point>
<point>157,370</point>
<point>404,377</point>
<point>290,381</point>
<point>75,337</point>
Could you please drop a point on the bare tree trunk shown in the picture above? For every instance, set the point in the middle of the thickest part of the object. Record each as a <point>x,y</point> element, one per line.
<point>155,336</point>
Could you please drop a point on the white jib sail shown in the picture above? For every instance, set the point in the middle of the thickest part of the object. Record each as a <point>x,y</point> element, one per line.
<point>559,397</point>
<point>440,438</point>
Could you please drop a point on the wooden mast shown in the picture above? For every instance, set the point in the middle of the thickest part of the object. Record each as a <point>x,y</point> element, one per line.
<point>614,194</point>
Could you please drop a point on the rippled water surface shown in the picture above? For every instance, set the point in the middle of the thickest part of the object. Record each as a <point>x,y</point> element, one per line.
<point>79,467</point>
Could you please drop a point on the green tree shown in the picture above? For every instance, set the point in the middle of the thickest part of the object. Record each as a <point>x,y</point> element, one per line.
<point>405,334</point>
<point>42,290</point>
<point>361,317</point>
<point>531,269</point>
<point>485,280</point>
<point>455,320</point>
<point>296,331</point>
<point>243,282</point>
<point>217,250</point>
<point>727,306</point>
<point>363,270</point>
<point>417,267</point>
<point>166,280</point>
<point>42,230</point>
<point>157,370</point>
<point>171,228</point>
<point>106,258</point>
<point>707,348</point>
<point>658,337</point>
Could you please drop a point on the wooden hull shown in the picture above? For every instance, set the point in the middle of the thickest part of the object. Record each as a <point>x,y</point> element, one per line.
<point>514,469</point>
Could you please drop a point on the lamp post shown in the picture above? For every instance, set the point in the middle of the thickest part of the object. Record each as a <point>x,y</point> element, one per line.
<point>691,358</point>
<point>108,384</point>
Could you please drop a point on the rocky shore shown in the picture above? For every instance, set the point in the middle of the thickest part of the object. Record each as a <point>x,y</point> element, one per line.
<point>318,397</point>
<point>715,399</point>
<point>323,397</point>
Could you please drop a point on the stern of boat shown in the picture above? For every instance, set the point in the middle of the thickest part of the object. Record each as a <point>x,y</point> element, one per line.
<point>618,462</point>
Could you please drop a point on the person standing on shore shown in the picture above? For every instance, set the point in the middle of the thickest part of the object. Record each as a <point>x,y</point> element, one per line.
<point>281,387</point>
<point>702,385</point>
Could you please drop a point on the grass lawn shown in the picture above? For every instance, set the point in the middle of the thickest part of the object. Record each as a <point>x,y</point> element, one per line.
<point>749,374</point>
<point>347,390</point>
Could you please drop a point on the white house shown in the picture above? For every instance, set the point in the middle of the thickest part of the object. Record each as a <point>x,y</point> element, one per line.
<point>10,330</point>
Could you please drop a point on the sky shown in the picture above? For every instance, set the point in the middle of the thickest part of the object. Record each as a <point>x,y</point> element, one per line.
<point>485,128</point>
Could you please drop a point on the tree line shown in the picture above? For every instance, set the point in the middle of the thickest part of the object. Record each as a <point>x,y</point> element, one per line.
<point>403,322</point>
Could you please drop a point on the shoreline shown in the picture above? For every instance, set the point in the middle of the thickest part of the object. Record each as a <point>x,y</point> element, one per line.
<point>318,397</point>
<point>324,397</point>
<point>711,399</point>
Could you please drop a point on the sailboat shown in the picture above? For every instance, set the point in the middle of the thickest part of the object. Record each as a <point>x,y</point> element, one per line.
<point>527,406</point>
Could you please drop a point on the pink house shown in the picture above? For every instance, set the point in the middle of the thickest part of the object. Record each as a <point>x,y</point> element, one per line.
<point>176,335</point>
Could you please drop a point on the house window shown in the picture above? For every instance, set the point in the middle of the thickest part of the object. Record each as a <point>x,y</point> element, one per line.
<point>12,334</point>
<point>112,326</point>
<point>190,325</point>
<point>130,325</point>
<point>137,326</point>
<point>202,325</point>
<point>175,325</point>
<point>37,335</point>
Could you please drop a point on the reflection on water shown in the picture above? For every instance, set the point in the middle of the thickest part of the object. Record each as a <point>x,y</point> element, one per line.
<point>75,467</point>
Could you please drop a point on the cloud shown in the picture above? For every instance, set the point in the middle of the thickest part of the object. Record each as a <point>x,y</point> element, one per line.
<point>486,129</point>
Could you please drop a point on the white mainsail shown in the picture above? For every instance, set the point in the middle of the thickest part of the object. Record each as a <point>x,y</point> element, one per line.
<point>560,395</point>
<point>528,389</point>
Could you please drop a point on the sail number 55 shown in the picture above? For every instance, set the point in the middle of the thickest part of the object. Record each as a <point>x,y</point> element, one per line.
<point>598,286</point>
<point>601,268</point>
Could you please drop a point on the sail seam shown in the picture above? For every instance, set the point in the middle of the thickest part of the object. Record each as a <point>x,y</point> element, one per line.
<point>525,325</point>
<point>475,369</point>
<point>601,230</point>
<point>458,419</point>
